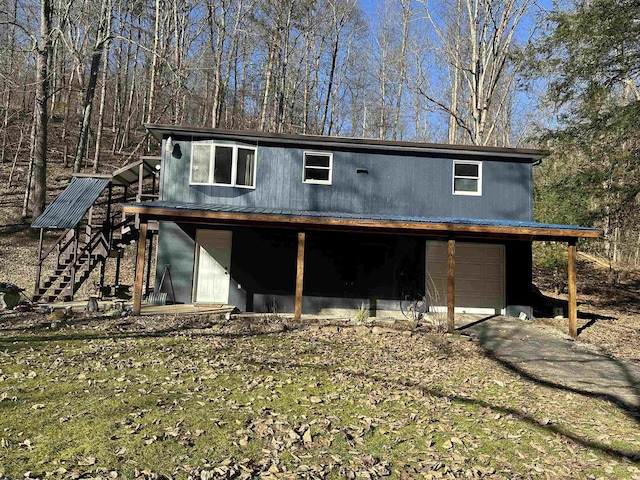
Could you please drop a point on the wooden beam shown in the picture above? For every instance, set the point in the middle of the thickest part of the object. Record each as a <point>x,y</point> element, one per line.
<point>156,212</point>
<point>573,290</point>
<point>149,259</point>
<point>36,291</point>
<point>137,288</point>
<point>451,285</point>
<point>299,276</point>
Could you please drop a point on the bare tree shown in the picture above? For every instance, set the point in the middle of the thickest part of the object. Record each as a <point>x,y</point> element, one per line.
<point>475,43</point>
<point>103,35</point>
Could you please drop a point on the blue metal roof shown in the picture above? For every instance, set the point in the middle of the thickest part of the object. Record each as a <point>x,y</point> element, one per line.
<point>68,208</point>
<point>383,218</point>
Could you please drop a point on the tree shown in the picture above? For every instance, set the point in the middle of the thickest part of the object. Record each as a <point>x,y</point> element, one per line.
<point>103,35</point>
<point>476,41</point>
<point>36,190</point>
<point>590,58</point>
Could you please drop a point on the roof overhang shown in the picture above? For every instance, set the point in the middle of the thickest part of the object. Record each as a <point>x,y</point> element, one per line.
<point>130,173</point>
<point>319,141</point>
<point>305,220</point>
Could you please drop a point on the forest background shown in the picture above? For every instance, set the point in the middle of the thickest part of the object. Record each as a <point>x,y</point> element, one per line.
<point>80,78</point>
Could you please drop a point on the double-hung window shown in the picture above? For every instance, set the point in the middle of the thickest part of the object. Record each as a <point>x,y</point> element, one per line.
<point>317,167</point>
<point>221,164</point>
<point>467,177</point>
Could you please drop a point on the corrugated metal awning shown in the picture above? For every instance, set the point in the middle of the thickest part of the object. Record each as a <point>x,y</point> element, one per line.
<point>68,208</point>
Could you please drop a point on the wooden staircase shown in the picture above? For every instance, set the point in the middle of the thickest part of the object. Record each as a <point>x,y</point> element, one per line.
<point>75,255</point>
<point>93,231</point>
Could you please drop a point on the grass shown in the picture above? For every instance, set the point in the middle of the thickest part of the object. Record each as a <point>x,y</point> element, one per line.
<point>308,401</point>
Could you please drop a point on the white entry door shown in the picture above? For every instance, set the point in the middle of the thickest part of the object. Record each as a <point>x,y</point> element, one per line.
<point>214,262</point>
<point>480,286</point>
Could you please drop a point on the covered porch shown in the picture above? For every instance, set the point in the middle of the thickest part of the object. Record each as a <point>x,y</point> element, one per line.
<point>451,230</point>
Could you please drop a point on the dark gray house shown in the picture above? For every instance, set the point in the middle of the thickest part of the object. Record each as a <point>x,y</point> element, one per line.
<point>309,223</point>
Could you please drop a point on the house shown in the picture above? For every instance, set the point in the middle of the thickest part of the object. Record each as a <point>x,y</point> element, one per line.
<point>315,224</point>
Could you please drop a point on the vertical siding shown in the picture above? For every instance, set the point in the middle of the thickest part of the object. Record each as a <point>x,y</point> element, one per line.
<point>176,247</point>
<point>395,184</point>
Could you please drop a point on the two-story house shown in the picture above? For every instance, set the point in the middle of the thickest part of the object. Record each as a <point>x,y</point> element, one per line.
<point>311,224</point>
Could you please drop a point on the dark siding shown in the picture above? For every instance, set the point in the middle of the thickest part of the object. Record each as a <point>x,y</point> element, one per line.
<point>176,247</point>
<point>395,184</point>
<point>518,273</point>
<point>341,269</point>
<point>263,263</point>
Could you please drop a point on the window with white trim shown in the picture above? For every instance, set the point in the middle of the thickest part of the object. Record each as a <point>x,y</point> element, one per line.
<point>221,164</point>
<point>317,167</point>
<point>467,177</point>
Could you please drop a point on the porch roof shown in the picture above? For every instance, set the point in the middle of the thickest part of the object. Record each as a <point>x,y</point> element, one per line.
<point>305,219</point>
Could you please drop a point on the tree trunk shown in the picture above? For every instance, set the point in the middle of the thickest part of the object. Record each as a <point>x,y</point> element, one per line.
<point>102,37</point>
<point>39,180</point>
<point>103,93</point>
<point>154,64</point>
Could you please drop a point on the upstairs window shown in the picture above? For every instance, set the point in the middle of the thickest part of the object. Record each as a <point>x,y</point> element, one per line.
<point>467,177</point>
<point>228,165</point>
<point>317,168</point>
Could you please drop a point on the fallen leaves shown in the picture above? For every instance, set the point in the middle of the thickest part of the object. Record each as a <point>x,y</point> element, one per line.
<point>87,461</point>
<point>313,403</point>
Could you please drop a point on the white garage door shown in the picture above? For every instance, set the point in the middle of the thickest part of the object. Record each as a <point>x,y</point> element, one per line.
<point>480,286</point>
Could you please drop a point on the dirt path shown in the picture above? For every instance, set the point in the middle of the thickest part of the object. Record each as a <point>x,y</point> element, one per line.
<point>549,357</point>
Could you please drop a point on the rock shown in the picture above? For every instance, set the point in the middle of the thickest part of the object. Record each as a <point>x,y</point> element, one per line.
<point>406,324</point>
<point>380,330</point>
<point>362,330</point>
<point>113,313</point>
<point>57,316</point>
<point>386,321</point>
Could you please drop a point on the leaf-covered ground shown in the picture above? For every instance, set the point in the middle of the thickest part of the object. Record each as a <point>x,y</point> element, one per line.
<point>206,399</point>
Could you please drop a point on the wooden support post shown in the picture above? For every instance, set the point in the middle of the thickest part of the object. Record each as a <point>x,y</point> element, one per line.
<point>39,269</point>
<point>109,200</point>
<point>140,181</point>
<point>451,285</point>
<point>74,260</point>
<point>116,280</point>
<point>149,263</point>
<point>89,229</point>
<point>299,276</point>
<point>573,290</point>
<point>137,288</point>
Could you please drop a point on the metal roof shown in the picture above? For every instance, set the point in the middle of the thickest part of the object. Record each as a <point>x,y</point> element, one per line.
<point>130,173</point>
<point>68,208</point>
<point>323,141</point>
<point>281,215</point>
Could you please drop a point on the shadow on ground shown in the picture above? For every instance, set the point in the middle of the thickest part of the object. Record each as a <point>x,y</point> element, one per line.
<point>555,360</point>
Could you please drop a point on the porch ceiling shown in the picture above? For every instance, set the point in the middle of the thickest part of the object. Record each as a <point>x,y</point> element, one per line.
<point>302,219</point>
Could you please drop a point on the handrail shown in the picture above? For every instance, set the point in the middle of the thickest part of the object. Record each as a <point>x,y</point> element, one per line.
<point>89,245</point>
<point>66,245</point>
<point>123,223</point>
<point>58,240</point>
